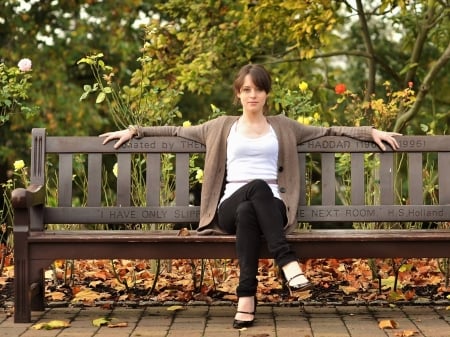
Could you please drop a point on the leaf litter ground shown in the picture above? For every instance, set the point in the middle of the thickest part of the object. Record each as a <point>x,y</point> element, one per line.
<point>131,282</point>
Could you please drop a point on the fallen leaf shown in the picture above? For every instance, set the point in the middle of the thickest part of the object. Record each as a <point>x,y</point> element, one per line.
<point>175,308</point>
<point>388,324</point>
<point>184,232</point>
<point>88,295</point>
<point>406,333</point>
<point>348,290</point>
<point>55,324</point>
<point>396,295</point>
<point>100,321</point>
<point>389,283</point>
<point>94,284</point>
<point>118,325</point>
<point>304,295</point>
<point>56,296</point>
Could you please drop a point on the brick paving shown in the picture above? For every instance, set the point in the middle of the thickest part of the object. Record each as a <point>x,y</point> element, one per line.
<point>215,321</point>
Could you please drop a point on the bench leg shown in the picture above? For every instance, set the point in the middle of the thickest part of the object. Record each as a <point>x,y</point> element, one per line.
<point>28,289</point>
<point>22,308</point>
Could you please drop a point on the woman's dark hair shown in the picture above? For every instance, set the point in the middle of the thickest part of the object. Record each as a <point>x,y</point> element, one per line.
<point>260,77</point>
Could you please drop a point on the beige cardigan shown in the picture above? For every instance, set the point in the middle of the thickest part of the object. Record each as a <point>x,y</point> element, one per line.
<point>213,134</point>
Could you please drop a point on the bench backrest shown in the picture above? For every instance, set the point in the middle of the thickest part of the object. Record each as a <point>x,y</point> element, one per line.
<point>342,179</point>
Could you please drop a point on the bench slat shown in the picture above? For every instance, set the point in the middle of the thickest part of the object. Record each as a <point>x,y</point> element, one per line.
<point>298,236</point>
<point>182,179</point>
<point>65,180</point>
<point>308,244</point>
<point>153,177</point>
<point>415,180</point>
<point>94,186</point>
<point>123,179</point>
<point>386,178</point>
<point>121,215</point>
<point>444,178</point>
<point>374,213</point>
<point>188,214</point>
<point>69,144</point>
<point>328,170</point>
<point>357,178</point>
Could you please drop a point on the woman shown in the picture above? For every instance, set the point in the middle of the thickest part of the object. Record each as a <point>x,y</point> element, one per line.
<point>255,158</point>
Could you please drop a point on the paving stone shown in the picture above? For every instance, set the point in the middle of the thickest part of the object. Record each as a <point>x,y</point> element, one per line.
<point>214,320</point>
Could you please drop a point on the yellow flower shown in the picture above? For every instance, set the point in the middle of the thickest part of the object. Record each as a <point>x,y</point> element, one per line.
<point>303,86</point>
<point>186,124</point>
<point>303,120</point>
<point>199,175</point>
<point>115,169</point>
<point>316,116</point>
<point>18,165</point>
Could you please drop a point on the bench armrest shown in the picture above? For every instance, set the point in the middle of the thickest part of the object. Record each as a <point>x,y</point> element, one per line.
<point>28,197</point>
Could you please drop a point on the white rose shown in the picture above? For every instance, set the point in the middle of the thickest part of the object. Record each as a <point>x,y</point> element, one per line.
<point>24,65</point>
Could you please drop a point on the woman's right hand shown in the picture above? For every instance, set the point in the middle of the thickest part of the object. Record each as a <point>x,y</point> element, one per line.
<point>123,136</point>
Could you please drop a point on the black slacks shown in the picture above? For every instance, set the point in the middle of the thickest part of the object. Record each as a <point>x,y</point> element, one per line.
<point>253,213</point>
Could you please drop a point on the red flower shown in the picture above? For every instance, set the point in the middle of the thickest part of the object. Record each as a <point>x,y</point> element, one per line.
<point>340,88</point>
<point>410,84</point>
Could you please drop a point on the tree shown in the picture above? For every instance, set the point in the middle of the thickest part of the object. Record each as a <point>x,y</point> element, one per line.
<point>196,45</point>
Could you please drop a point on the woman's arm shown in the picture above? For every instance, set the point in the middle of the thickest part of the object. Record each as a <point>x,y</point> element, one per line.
<point>366,133</point>
<point>197,133</point>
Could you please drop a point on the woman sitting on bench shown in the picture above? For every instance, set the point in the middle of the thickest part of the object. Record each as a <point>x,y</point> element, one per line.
<point>255,157</point>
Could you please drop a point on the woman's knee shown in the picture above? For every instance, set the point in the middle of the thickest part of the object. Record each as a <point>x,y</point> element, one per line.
<point>245,208</point>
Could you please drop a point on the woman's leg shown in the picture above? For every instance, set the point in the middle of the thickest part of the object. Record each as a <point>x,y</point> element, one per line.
<point>241,221</point>
<point>266,217</point>
<point>250,212</point>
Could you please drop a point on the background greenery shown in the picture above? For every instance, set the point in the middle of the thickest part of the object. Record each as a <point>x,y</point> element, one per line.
<point>195,47</point>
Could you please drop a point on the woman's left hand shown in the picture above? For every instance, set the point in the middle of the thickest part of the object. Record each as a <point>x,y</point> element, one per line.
<point>383,136</point>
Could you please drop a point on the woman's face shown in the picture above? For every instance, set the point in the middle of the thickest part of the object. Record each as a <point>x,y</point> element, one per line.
<point>252,98</point>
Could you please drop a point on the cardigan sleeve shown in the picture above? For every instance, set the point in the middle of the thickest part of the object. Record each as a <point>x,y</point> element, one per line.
<point>195,133</point>
<point>198,133</point>
<point>306,132</point>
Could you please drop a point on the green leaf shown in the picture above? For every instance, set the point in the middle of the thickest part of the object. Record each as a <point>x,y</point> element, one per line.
<point>84,95</point>
<point>100,321</point>
<point>101,97</point>
<point>424,127</point>
<point>85,60</point>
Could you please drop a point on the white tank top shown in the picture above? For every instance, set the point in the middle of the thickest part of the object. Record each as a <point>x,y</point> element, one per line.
<point>249,159</point>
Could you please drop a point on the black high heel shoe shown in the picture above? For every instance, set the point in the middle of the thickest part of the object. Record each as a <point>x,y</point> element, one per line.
<point>298,287</point>
<point>239,324</point>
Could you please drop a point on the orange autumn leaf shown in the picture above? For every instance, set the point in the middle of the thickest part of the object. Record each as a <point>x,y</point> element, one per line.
<point>388,324</point>
<point>410,294</point>
<point>55,296</point>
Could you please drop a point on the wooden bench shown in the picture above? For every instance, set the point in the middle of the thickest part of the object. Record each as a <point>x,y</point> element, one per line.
<point>333,191</point>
